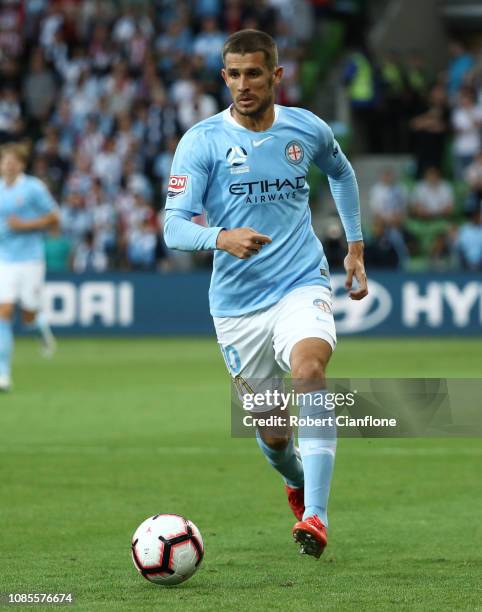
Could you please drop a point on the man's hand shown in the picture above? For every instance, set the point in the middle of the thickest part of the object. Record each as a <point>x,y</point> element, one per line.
<point>242,242</point>
<point>355,267</point>
<point>16,224</point>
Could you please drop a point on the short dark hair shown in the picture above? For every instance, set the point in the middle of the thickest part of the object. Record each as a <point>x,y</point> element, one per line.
<point>251,41</point>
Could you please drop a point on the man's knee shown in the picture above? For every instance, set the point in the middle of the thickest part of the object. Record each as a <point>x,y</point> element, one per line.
<point>28,317</point>
<point>276,441</point>
<point>6,311</point>
<point>309,359</point>
<point>310,368</point>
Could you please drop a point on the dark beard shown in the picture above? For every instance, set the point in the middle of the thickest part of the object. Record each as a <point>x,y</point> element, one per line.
<point>257,113</point>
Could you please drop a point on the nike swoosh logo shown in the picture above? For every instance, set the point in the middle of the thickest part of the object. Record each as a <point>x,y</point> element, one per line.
<point>257,143</point>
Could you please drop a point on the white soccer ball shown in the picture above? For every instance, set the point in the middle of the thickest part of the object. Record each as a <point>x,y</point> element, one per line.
<point>167,549</point>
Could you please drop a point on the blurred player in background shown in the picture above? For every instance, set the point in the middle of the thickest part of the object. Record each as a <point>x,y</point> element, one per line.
<point>270,292</point>
<point>26,210</point>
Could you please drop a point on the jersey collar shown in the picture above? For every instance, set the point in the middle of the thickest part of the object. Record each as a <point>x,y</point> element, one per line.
<point>230,119</point>
<point>16,182</point>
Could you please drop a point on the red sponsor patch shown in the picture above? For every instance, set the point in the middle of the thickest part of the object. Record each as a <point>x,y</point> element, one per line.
<point>177,185</point>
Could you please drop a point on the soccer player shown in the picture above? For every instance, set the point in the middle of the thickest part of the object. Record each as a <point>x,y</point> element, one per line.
<point>26,210</point>
<point>270,293</point>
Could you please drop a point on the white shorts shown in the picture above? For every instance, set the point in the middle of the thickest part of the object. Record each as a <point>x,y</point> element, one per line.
<point>22,283</point>
<point>257,346</point>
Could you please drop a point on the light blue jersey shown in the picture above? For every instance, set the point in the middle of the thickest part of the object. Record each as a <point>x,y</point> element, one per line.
<point>28,198</point>
<point>258,180</point>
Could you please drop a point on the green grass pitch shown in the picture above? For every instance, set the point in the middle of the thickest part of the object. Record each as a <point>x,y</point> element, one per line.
<point>113,431</point>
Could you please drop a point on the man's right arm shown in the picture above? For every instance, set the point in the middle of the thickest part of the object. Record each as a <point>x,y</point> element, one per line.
<point>182,234</point>
<point>186,193</point>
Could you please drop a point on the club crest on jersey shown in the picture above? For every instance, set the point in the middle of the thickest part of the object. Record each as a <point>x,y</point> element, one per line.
<point>177,185</point>
<point>236,157</point>
<point>322,305</point>
<point>294,152</point>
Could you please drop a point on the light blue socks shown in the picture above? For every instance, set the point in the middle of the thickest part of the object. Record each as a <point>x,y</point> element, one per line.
<point>317,447</point>
<point>6,347</point>
<point>39,324</point>
<point>286,461</point>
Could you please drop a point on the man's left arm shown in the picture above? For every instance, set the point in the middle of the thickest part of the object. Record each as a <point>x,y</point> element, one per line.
<point>344,189</point>
<point>48,221</point>
<point>48,217</point>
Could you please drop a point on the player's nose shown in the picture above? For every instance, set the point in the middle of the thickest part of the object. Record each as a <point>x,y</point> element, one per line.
<point>242,85</point>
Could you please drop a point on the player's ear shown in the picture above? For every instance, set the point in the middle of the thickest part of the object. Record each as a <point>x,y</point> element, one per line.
<point>278,74</point>
<point>224,75</point>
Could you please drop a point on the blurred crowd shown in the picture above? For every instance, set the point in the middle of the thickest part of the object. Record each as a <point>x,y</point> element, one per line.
<point>419,225</point>
<point>399,106</point>
<point>432,216</point>
<point>104,90</point>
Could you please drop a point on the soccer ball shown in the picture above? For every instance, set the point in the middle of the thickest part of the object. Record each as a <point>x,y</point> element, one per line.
<point>167,549</point>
